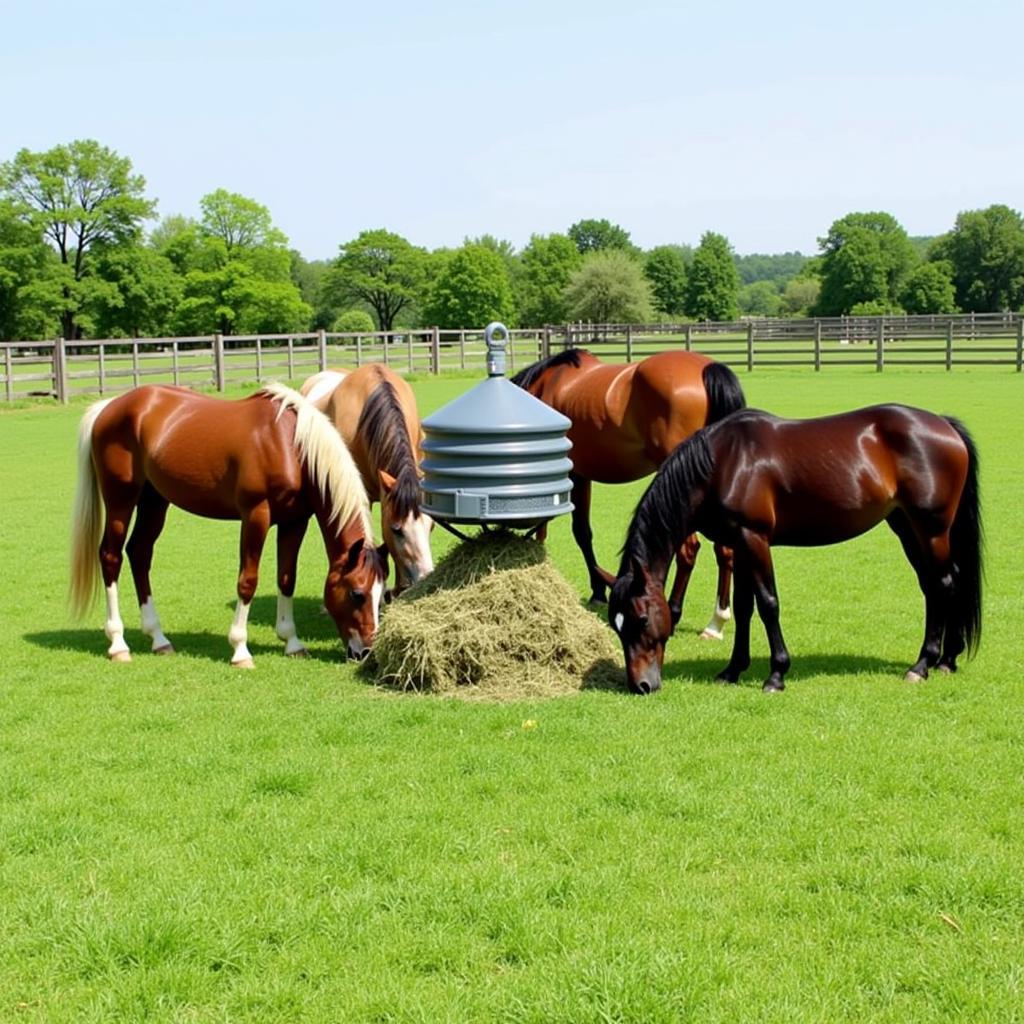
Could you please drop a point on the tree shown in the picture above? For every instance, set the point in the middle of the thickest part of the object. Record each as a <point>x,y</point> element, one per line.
<point>712,284</point>
<point>594,235</point>
<point>800,295</point>
<point>380,269</point>
<point>546,264</point>
<point>240,222</point>
<point>666,270</point>
<point>866,258</point>
<point>609,287</point>
<point>929,289</point>
<point>308,276</point>
<point>141,293</point>
<point>29,295</point>
<point>986,252</point>
<point>760,298</point>
<point>471,289</point>
<point>81,197</point>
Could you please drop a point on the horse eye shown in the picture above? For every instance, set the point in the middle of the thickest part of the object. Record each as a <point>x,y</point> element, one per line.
<point>358,596</point>
<point>642,621</point>
<point>397,531</point>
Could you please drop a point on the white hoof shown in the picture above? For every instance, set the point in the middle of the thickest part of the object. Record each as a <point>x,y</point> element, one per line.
<point>711,634</point>
<point>121,656</point>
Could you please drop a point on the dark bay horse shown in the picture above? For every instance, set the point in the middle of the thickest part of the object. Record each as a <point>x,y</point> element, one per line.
<point>753,480</point>
<point>267,460</point>
<point>374,410</point>
<point>626,420</point>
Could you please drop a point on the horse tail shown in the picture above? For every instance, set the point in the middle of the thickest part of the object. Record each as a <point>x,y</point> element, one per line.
<point>966,542</point>
<point>86,519</point>
<point>725,395</point>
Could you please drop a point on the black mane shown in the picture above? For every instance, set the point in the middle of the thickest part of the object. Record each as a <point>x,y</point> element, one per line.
<point>527,377</point>
<point>382,424</point>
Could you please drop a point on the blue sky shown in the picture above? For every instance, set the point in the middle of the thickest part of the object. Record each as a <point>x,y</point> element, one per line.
<point>764,122</point>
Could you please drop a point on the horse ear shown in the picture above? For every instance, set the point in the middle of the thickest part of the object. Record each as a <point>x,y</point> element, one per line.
<point>352,558</point>
<point>382,551</point>
<point>387,481</point>
<point>638,575</point>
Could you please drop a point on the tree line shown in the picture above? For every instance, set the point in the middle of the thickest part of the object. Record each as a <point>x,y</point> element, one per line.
<point>81,256</point>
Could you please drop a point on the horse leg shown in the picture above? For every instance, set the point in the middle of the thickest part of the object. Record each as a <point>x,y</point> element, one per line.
<point>150,515</point>
<point>584,536</point>
<point>721,615</point>
<point>766,595</point>
<point>744,602</point>
<point>255,526</point>
<point>289,540</point>
<point>686,558</point>
<point>936,583</point>
<point>119,513</point>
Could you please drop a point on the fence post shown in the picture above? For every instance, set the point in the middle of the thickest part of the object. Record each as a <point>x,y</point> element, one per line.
<point>408,338</point>
<point>688,340</point>
<point>949,344</point>
<point>435,350</point>
<point>174,362</point>
<point>359,350</point>
<point>462,348</point>
<point>101,352</point>
<point>218,361</point>
<point>545,344</point>
<point>1020,344</point>
<point>9,373</point>
<point>321,344</point>
<point>880,345</point>
<point>817,345</point>
<point>750,345</point>
<point>629,343</point>
<point>60,371</point>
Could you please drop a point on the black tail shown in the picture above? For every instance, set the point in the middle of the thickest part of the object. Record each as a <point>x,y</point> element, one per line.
<point>966,538</point>
<point>723,390</point>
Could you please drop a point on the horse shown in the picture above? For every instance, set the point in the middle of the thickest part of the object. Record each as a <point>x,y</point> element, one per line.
<point>626,420</point>
<point>267,460</point>
<point>374,410</point>
<point>753,480</point>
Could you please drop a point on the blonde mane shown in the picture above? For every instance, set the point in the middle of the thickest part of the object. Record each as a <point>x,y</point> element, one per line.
<point>326,457</point>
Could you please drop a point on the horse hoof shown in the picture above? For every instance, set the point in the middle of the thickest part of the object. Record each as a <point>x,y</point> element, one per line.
<point>300,653</point>
<point>946,670</point>
<point>913,677</point>
<point>773,686</point>
<point>244,663</point>
<point>711,634</point>
<point>121,656</point>
<point>166,649</point>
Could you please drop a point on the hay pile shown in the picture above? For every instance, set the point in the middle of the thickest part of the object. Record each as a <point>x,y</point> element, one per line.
<point>495,620</point>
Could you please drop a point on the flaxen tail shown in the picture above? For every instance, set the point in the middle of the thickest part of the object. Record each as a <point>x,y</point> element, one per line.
<point>966,542</point>
<point>86,520</point>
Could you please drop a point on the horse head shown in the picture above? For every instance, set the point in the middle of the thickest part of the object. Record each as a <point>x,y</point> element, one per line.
<point>640,616</point>
<point>406,528</point>
<point>352,595</point>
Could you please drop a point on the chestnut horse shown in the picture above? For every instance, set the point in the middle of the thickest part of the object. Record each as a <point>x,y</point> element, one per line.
<point>374,410</point>
<point>626,420</point>
<point>267,460</point>
<point>753,480</point>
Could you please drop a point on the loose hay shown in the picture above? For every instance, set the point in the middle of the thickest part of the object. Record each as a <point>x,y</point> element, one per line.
<point>494,620</point>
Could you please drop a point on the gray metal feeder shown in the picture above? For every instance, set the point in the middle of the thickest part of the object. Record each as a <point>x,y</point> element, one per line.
<point>496,455</point>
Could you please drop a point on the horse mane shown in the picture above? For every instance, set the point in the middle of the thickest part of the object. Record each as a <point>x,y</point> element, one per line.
<point>527,377</point>
<point>326,458</point>
<point>383,427</point>
<point>662,518</point>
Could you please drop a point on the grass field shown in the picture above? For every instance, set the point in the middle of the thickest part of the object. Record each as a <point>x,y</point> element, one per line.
<point>183,842</point>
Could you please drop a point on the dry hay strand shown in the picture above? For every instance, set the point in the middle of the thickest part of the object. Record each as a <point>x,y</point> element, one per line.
<point>495,620</point>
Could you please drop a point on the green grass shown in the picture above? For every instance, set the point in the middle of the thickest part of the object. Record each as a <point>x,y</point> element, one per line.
<point>183,842</point>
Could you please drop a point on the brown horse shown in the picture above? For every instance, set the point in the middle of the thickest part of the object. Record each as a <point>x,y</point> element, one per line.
<point>626,420</point>
<point>753,480</point>
<point>374,410</point>
<point>267,460</point>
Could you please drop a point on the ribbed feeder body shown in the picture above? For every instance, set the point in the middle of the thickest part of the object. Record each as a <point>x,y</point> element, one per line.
<point>496,455</point>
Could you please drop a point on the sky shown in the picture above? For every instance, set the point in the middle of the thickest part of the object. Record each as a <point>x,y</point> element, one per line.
<point>441,122</point>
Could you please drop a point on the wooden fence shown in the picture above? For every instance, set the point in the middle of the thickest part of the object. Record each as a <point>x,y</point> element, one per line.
<point>63,369</point>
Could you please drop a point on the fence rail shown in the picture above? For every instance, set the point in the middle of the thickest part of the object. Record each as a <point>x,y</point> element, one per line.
<point>63,369</point>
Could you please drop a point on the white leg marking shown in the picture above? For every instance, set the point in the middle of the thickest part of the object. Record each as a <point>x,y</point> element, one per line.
<point>714,629</point>
<point>114,628</point>
<point>238,636</point>
<point>151,626</point>
<point>286,626</point>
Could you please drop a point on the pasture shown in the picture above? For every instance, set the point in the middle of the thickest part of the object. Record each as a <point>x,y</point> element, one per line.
<point>180,841</point>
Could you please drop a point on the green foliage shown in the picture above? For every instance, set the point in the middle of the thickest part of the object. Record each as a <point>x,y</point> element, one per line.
<point>712,284</point>
<point>29,298</point>
<point>143,291</point>
<point>308,276</point>
<point>929,289</point>
<point>761,298</point>
<point>595,235</point>
<point>380,269</point>
<point>666,270</point>
<point>547,264</point>
<point>472,288</point>
<point>776,267</point>
<point>79,197</point>
<point>986,252</point>
<point>609,287</point>
<point>354,321</point>
<point>866,258</point>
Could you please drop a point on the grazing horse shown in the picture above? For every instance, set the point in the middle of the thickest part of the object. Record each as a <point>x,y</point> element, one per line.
<point>753,480</point>
<point>374,410</point>
<point>267,460</point>
<point>626,420</point>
